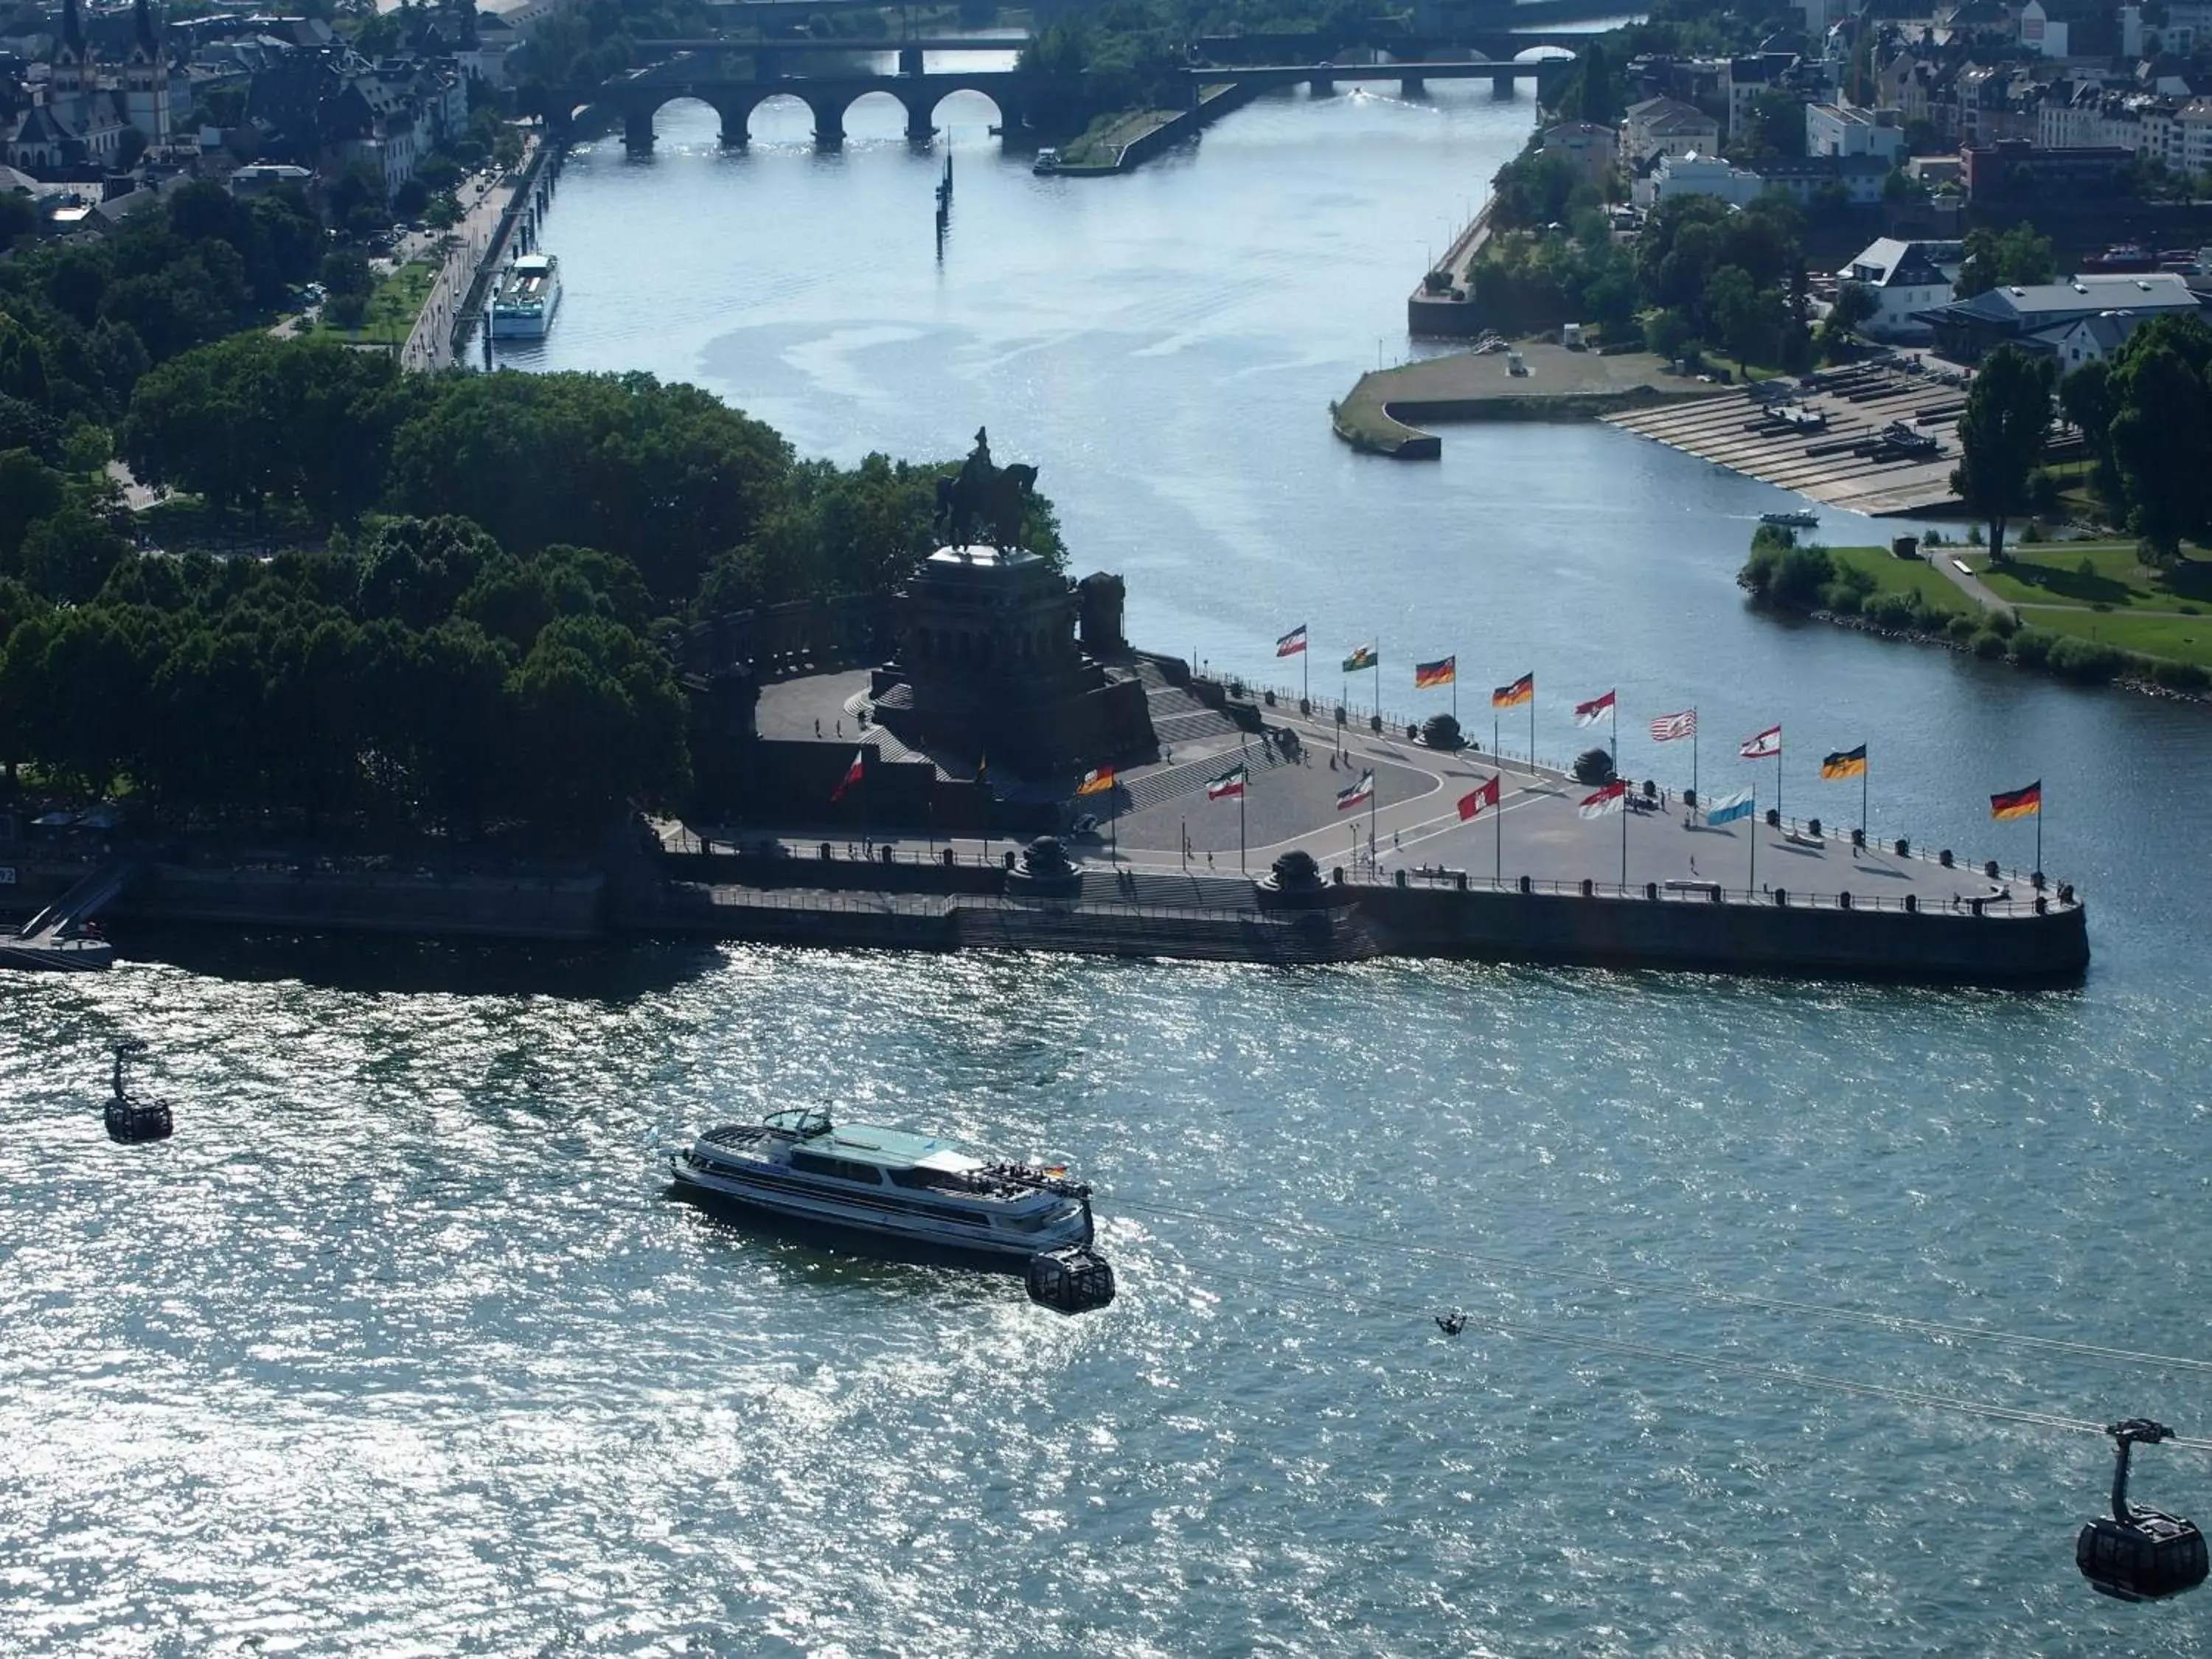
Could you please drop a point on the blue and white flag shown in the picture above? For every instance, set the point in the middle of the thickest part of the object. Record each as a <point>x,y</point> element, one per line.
<point>1728,808</point>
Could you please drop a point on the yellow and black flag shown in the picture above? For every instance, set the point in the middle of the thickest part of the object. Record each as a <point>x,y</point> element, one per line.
<point>1846,764</point>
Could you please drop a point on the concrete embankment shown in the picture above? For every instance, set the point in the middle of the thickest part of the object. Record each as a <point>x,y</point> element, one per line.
<point>929,906</point>
<point>1385,411</point>
<point>570,904</point>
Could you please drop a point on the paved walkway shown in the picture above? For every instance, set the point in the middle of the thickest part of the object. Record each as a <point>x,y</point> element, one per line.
<point>429,346</point>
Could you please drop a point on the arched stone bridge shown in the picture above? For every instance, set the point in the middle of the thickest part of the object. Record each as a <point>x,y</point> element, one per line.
<point>637,100</point>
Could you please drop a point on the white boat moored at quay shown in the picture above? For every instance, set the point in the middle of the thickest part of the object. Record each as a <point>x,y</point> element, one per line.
<point>523,306</point>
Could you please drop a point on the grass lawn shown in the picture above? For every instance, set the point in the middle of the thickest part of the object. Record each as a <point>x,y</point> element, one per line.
<point>393,305</point>
<point>2050,573</point>
<point>1102,146</point>
<point>2179,639</point>
<point>1915,576</point>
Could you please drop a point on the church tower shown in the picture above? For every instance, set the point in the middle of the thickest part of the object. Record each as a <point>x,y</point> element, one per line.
<point>146,78</point>
<point>73,78</point>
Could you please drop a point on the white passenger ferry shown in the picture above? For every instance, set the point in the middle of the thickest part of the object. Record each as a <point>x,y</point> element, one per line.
<point>528,294</point>
<point>888,1186</point>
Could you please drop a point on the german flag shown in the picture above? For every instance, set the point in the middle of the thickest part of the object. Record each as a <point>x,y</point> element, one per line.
<point>2019,803</point>
<point>1512,697</point>
<point>1846,764</point>
<point>1096,782</point>
<point>1443,671</point>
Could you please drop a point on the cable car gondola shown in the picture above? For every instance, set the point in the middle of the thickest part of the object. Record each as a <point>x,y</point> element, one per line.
<point>2139,1555</point>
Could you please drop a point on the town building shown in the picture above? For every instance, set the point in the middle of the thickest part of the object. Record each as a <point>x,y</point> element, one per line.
<point>1842,129</point>
<point>1695,175</point>
<point>1968,330</point>
<point>1906,278</point>
<point>1989,171</point>
<point>1586,146</point>
<point>1666,126</point>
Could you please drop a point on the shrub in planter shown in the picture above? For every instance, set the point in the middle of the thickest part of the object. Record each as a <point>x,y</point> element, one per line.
<point>1442,732</point>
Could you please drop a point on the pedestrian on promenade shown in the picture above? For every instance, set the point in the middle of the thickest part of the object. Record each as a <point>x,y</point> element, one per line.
<point>817,728</point>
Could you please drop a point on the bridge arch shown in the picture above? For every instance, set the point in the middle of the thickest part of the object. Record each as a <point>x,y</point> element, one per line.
<point>965,106</point>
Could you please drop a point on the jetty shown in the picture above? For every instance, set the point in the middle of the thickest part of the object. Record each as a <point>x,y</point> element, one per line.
<point>1388,410</point>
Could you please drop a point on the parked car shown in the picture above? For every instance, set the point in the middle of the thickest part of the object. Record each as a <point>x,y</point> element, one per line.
<point>1085,825</point>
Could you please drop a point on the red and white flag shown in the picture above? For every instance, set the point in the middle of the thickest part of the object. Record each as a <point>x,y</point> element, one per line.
<point>852,776</point>
<point>1613,798</point>
<point>1766,746</point>
<point>1670,728</point>
<point>1482,801</point>
<point>1590,713</point>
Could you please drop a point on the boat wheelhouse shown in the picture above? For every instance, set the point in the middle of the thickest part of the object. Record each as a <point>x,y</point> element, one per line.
<point>888,1186</point>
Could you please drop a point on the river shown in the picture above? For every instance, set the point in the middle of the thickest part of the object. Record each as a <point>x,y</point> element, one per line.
<point>398,1348</point>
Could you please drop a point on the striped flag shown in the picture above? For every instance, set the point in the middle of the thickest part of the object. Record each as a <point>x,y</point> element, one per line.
<point>1766,746</point>
<point>1846,764</point>
<point>1229,783</point>
<point>1613,798</point>
<point>1096,782</point>
<point>1361,660</point>
<point>1670,728</point>
<point>1481,800</point>
<point>852,776</point>
<point>1292,643</point>
<point>2019,803</point>
<point>1512,697</point>
<point>1352,796</point>
<point>1590,713</point>
<point>1443,671</point>
<point>1728,808</point>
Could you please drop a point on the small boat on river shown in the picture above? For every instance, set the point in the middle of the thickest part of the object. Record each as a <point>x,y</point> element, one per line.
<point>889,1186</point>
<point>1800,519</point>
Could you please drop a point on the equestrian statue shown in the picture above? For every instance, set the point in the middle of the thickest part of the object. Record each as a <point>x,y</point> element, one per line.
<point>982,500</point>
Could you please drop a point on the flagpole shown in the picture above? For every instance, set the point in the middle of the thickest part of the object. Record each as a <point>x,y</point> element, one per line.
<point>1454,691</point>
<point>1240,823</point>
<point>1493,726</point>
<point>1532,725</point>
<point>1623,782</point>
<point>1498,832</point>
<point>2039,826</point>
<point>1370,826</point>
<point>1693,749</point>
<point>1616,733</point>
<point>1778,777</point>
<point>1751,880</point>
<point>1864,832</point>
<point>1305,667</point>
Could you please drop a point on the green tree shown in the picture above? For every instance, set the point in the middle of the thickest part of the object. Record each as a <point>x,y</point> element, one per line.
<point>2161,437</point>
<point>2001,437</point>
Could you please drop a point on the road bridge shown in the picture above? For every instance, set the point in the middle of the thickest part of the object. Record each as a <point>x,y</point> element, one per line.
<point>638,97</point>
<point>1412,75</point>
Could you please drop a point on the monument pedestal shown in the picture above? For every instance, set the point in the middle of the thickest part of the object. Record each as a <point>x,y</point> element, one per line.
<point>988,666</point>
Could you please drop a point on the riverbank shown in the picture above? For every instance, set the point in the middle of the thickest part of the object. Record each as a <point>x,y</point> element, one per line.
<point>1952,598</point>
<point>1385,411</point>
<point>1116,144</point>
